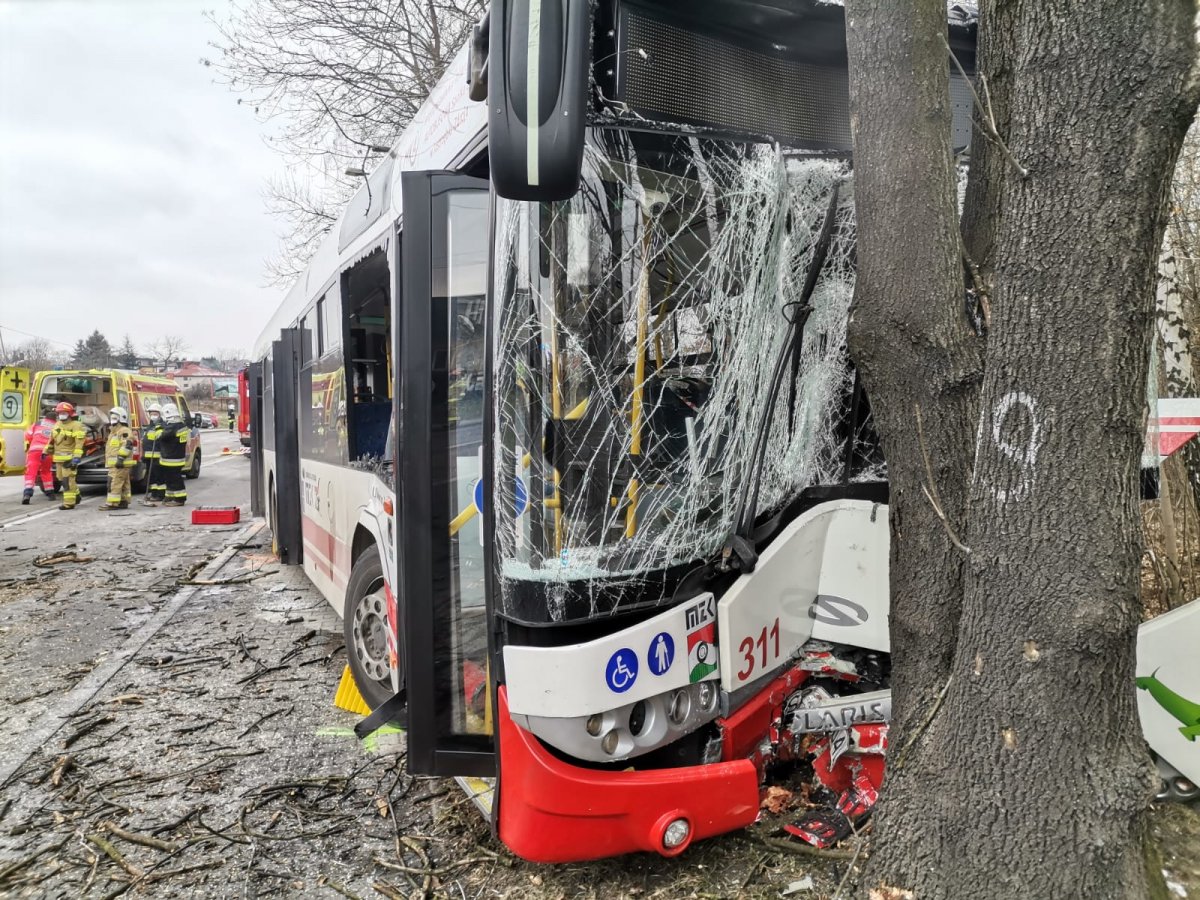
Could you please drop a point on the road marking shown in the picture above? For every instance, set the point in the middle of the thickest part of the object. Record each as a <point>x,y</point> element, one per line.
<point>73,700</point>
<point>27,518</point>
<point>222,459</point>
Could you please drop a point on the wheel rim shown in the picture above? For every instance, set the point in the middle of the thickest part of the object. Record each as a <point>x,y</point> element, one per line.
<point>370,632</point>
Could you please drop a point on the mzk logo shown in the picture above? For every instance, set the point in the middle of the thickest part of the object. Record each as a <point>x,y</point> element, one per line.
<point>700,620</point>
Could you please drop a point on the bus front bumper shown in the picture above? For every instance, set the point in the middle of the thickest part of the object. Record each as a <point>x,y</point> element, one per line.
<point>551,811</point>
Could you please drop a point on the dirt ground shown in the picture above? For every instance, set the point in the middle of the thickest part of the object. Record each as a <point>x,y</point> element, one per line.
<point>169,732</point>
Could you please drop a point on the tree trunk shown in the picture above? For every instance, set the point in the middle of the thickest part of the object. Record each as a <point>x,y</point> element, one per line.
<point>1032,778</point>
<point>917,352</point>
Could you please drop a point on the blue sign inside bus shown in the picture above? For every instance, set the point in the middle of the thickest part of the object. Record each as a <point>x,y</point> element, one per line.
<point>521,495</point>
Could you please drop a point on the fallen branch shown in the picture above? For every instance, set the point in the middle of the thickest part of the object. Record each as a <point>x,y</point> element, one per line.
<point>115,855</point>
<point>55,559</point>
<point>388,891</point>
<point>254,676</point>
<point>86,729</point>
<point>338,888</point>
<point>12,868</point>
<point>439,871</point>
<point>264,718</point>
<point>239,579</point>
<point>804,849</point>
<point>144,839</point>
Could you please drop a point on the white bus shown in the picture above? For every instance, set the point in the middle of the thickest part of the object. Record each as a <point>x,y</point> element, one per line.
<point>560,419</point>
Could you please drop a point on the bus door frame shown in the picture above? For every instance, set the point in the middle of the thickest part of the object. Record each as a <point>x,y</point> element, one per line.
<point>429,750</point>
<point>254,377</point>
<point>285,372</point>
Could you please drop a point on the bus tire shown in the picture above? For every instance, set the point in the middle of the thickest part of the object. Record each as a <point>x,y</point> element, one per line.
<point>364,626</point>
<point>194,469</point>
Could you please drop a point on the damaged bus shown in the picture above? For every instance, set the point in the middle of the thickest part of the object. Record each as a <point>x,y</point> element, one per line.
<point>560,419</point>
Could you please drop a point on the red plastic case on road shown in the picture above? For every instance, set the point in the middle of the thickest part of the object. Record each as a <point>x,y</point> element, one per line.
<point>216,515</point>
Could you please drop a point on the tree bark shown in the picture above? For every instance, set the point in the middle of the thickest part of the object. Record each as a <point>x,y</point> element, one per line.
<point>909,335</point>
<point>1032,777</point>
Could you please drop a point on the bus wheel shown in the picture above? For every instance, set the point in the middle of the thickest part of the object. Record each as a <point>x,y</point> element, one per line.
<point>364,625</point>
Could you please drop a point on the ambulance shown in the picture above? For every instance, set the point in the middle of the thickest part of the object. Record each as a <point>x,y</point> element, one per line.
<point>93,392</point>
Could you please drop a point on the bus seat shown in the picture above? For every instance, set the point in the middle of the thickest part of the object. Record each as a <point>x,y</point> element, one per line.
<point>371,427</point>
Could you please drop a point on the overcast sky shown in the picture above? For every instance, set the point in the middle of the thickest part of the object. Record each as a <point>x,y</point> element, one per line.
<point>131,186</point>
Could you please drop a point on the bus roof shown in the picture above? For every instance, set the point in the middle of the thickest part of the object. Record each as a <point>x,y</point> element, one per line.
<point>445,132</point>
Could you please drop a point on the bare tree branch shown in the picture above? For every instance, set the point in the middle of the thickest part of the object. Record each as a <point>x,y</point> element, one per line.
<point>333,77</point>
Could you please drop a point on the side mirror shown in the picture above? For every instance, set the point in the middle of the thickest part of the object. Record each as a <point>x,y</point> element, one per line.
<point>537,79</point>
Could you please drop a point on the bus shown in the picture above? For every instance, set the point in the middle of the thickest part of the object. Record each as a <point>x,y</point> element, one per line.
<point>560,419</point>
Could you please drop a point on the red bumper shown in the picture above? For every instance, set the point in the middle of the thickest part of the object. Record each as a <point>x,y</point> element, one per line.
<point>551,811</point>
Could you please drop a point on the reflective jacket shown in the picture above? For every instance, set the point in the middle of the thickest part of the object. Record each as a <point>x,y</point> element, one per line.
<point>67,440</point>
<point>37,435</point>
<point>118,451</point>
<point>172,444</point>
<point>153,433</point>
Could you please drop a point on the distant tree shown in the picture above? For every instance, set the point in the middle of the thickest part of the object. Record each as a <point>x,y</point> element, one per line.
<point>36,354</point>
<point>127,355</point>
<point>210,362</point>
<point>168,349</point>
<point>231,358</point>
<point>335,77</point>
<point>93,352</point>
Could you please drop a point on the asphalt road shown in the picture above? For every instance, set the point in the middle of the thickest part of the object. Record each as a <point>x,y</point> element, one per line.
<point>214,487</point>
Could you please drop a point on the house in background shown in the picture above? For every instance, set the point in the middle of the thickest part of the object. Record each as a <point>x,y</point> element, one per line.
<point>200,381</point>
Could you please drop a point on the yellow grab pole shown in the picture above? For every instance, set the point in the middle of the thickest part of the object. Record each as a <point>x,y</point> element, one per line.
<point>639,378</point>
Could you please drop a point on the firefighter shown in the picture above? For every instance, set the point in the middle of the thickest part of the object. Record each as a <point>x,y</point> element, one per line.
<point>66,448</point>
<point>156,488</point>
<point>37,465</point>
<point>232,417</point>
<point>118,459</point>
<point>172,447</point>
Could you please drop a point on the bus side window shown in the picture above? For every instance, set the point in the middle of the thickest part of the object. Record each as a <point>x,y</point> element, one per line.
<point>368,388</point>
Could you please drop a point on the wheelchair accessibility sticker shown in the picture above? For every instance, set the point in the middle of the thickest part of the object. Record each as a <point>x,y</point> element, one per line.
<point>622,670</point>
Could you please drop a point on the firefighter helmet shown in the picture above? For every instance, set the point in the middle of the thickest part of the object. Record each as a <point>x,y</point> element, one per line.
<point>65,407</point>
<point>118,414</point>
<point>153,409</point>
<point>170,413</point>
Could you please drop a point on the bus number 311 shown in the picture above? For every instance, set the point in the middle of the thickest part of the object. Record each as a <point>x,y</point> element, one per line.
<point>748,645</point>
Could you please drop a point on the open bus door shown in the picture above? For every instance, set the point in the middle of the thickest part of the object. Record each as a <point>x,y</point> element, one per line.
<point>15,417</point>
<point>439,351</point>
<point>285,516</point>
<point>251,413</point>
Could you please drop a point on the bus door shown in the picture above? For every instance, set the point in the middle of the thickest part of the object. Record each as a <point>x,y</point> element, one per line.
<point>439,353</point>
<point>15,417</point>
<point>252,413</point>
<point>285,518</point>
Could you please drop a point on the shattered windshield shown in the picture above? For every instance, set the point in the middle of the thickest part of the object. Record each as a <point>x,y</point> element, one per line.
<point>637,327</point>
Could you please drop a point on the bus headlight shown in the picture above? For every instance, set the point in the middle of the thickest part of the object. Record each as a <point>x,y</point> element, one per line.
<point>676,834</point>
<point>594,724</point>
<point>609,743</point>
